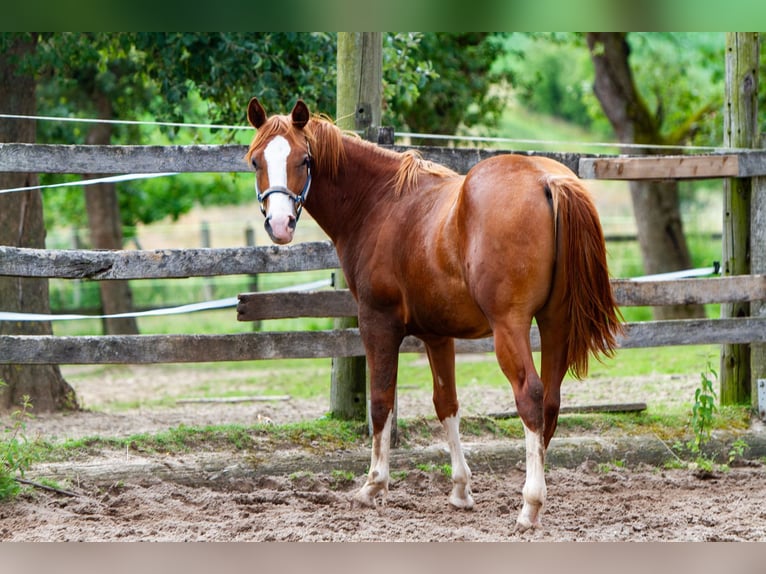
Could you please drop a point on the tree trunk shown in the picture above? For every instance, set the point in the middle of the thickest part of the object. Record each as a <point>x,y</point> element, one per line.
<point>105,227</point>
<point>22,225</point>
<point>655,204</point>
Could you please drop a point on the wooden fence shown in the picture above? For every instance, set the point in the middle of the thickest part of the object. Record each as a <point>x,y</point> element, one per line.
<point>129,349</point>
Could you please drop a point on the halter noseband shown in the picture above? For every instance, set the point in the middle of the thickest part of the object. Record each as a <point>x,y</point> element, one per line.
<point>298,199</point>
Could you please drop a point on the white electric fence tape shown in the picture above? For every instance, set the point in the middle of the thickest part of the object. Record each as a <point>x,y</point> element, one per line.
<point>190,308</point>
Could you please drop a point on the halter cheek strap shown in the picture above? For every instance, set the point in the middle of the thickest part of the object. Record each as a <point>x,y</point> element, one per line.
<point>298,199</point>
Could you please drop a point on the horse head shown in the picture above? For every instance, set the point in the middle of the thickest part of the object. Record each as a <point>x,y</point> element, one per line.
<point>281,157</point>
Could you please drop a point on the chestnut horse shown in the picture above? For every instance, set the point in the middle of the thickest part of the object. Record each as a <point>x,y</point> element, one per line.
<point>430,253</point>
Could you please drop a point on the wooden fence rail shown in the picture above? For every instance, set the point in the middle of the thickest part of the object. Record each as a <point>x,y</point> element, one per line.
<point>340,303</point>
<point>153,349</point>
<point>165,263</point>
<point>147,349</point>
<point>112,159</point>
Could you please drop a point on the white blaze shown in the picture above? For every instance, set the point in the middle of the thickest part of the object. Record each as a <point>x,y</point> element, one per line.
<point>275,155</point>
<point>281,209</point>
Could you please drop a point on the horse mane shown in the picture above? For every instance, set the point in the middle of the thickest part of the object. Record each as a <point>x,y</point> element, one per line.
<point>326,142</point>
<point>413,165</point>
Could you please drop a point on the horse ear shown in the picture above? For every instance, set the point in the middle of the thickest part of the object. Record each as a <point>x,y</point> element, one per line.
<point>256,115</point>
<point>300,114</point>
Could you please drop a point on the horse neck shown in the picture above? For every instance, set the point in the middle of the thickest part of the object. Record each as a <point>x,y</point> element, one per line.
<point>341,206</point>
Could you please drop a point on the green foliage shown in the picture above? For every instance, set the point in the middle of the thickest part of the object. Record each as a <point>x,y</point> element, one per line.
<point>703,410</point>
<point>686,108</point>
<point>228,68</point>
<point>443,469</point>
<point>406,73</point>
<point>16,453</point>
<point>551,73</point>
<point>341,479</point>
<point>323,435</point>
<point>454,89</point>
<point>705,416</point>
<point>737,450</point>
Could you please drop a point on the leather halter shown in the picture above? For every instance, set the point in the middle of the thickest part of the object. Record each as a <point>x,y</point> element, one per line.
<point>298,198</point>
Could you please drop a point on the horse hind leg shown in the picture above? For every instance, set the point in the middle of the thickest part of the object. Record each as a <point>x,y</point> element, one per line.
<point>441,357</point>
<point>553,343</point>
<point>514,355</point>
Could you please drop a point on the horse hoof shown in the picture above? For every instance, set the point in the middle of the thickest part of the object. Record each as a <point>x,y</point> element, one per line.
<point>367,495</point>
<point>524,522</point>
<point>362,499</point>
<point>524,525</point>
<point>461,501</point>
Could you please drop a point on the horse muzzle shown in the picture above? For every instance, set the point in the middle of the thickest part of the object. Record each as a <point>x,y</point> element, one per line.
<point>282,213</point>
<point>281,229</point>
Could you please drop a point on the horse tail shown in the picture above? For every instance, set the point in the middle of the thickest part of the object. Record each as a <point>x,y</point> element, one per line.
<point>581,271</point>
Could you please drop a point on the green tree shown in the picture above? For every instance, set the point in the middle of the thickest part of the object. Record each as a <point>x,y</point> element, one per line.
<point>551,73</point>
<point>228,68</point>
<point>656,204</point>
<point>21,224</point>
<point>452,75</point>
<point>97,73</point>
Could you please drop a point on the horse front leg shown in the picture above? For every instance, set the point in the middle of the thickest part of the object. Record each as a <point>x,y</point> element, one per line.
<point>382,348</point>
<point>441,357</point>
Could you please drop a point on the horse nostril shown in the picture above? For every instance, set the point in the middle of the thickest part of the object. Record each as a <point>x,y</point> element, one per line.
<point>292,223</point>
<point>267,224</point>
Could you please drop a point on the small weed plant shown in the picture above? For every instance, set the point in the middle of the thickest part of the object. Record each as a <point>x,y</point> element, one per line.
<point>444,469</point>
<point>703,411</point>
<point>702,422</point>
<point>16,454</point>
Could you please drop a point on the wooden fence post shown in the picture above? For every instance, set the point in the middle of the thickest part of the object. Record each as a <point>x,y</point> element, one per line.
<point>740,130</point>
<point>253,285</point>
<point>359,105</point>
<point>208,288</point>
<point>758,267</point>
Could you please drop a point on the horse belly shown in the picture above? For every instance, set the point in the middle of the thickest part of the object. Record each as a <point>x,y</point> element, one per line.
<point>445,312</point>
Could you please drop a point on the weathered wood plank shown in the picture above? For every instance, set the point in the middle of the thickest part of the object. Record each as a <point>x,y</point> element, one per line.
<point>111,159</point>
<point>151,349</point>
<point>687,291</point>
<point>752,164</point>
<point>166,263</point>
<point>661,167</point>
<point>581,409</point>
<point>693,332</point>
<point>288,305</point>
<point>340,303</point>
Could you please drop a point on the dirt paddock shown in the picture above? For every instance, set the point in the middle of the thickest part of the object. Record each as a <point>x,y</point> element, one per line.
<point>225,496</point>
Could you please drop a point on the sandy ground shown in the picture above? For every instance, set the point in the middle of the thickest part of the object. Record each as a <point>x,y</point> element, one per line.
<point>198,496</point>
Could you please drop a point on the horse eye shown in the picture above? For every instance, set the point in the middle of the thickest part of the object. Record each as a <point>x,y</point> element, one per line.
<point>254,164</point>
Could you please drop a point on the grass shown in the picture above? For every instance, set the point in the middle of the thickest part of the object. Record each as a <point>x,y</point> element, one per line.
<point>326,435</point>
<point>318,436</point>
<point>310,378</point>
